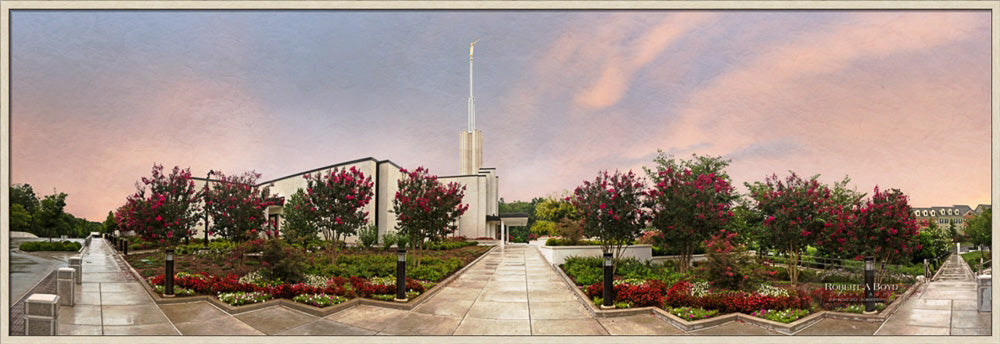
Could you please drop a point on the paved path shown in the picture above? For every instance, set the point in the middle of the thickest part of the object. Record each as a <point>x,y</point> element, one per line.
<point>110,301</point>
<point>944,306</point>
<point>511,291</point>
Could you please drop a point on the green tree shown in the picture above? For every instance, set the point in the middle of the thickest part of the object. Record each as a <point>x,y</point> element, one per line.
<point>110,224</point>
<point>298,226</point>
<point>49,217</point>
<point>933,240</point>
<point>698,165</point>
<point>24,195</point>
<point>20,219</point>
<point>550,212</point>
<point>979,229</point>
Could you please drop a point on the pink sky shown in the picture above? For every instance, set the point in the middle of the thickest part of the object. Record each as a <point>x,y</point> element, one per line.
<point>898,99</point>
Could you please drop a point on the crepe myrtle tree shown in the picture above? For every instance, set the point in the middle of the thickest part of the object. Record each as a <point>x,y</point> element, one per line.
<point>337,199</point>
<point>610,209</point>
<point>164,207</point>
<point>425,208</point>
<point>688,209</point>
<point>886,229</point>
<point>795,212</point>
<point>237,205</point>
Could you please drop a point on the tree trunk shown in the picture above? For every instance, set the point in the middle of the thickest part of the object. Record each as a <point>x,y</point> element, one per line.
<point>793,264</point>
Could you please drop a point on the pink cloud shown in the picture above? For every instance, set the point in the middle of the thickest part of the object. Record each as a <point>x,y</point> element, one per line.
<point>617,71</point>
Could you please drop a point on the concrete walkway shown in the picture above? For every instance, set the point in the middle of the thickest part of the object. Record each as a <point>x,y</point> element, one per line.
<point>110,301</point>
<point>944,306</point>
<point>511,291</point>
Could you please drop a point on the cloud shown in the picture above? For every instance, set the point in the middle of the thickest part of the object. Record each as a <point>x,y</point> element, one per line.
<point>618,69</point>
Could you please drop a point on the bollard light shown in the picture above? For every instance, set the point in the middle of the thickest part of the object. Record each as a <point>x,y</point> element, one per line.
<point>168,284</point>
<point>869,285</point>
<point>125,247</point>
<point>609,289</point>
<point>401,275</point>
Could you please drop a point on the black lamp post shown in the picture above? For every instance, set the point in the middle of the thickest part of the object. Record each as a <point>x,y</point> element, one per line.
<point>401,275</point>
<point>168,284</point>
<point>609,289</point>
<point>210,173</point>
<point>869,285</point>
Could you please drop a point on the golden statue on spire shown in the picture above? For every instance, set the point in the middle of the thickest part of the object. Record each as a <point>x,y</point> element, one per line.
<point>471,47</point>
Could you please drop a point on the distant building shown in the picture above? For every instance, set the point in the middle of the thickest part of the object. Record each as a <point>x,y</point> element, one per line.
<point>945,215</point>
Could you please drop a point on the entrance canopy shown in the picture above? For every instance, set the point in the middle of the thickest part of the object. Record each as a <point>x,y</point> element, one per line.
<point>508,220</point>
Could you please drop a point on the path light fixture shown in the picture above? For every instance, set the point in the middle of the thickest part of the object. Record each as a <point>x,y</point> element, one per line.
<point>401,275</point>
<point>124,246</point>
<point>869,285</point>
<point>609,289</point>
<point>168,284</point>
<point>210,173</point>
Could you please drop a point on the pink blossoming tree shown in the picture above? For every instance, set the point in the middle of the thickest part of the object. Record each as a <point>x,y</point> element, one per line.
<point>688,209</point>
<point>795,215</point>
<point>164,207</point>
<point>337,200</point>
<point>886,229</point>
<point>237,206</point>
<point>610,209</point>
<point>425,208</point>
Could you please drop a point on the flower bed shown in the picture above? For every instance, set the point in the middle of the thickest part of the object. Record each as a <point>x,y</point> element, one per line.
<point>242,298</point>
<point>783,316</point>
<point>691,314</point>
<point>319,300</point>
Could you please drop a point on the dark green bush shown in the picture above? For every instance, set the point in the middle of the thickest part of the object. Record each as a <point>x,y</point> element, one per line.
<point>565,242</point>
<point>65,245</point>
<point>583,270</point>
<point>284,261</point>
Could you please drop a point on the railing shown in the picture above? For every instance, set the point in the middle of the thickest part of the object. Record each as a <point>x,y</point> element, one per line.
<point>853,266</point>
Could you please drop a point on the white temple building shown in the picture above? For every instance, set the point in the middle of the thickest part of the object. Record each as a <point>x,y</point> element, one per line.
<point>481,220</point>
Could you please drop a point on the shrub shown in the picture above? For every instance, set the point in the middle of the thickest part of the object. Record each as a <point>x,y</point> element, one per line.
<point>570,230</point>
<point>733,301</point>
<point>283,261</point>
<point>389,239</point>
<point>583,270</point>
<point>368,236</point>
<point>649,293</point>
<point>65,245</point>
<point>177,290</point>
<point>729,266</point>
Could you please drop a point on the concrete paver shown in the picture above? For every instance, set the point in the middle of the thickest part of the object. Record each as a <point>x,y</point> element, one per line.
<point>273,320</point>
<point>735,328</point>
<point>838,327</point>
<point>639,325</point>
<point>946,305</point>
